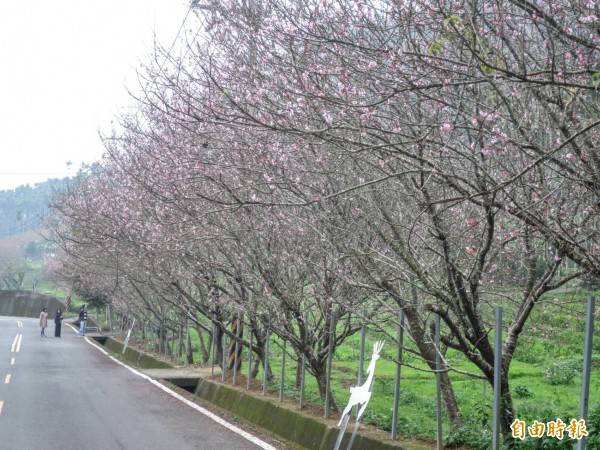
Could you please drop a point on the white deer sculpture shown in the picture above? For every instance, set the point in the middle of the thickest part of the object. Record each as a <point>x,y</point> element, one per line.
<point>360,395</point>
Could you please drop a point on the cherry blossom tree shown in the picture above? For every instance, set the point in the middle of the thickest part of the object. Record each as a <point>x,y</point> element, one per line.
<point>296,156</point>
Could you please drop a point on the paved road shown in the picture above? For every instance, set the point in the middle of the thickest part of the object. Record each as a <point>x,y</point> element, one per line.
<point>66,394</point>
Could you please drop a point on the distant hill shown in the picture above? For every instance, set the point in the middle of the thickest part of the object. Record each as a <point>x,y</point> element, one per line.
<point>21,260</point>
<point>17,244</point>
<point>24,209</point>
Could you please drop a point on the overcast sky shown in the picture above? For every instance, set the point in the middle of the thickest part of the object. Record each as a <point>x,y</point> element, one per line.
<point>63,70</point>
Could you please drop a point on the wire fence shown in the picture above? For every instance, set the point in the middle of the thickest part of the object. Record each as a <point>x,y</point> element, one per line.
<point>230,360</point>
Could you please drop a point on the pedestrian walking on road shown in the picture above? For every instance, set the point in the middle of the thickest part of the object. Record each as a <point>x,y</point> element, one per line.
<point>82,320</point>
<point>43,321</point>
<point>57,323</point>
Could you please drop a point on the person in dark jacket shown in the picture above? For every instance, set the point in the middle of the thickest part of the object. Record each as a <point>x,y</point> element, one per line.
<point>57,323</point>
<point>82,320</point>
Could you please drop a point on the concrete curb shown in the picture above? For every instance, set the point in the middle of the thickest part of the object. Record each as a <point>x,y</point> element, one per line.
<point>306,431</point>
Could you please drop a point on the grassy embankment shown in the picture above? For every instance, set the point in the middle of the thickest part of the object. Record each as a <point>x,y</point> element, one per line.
<point>545,378</point>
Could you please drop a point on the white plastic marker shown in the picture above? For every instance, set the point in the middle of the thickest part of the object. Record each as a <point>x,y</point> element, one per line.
<point>16,345</point>
<point>200,409</point>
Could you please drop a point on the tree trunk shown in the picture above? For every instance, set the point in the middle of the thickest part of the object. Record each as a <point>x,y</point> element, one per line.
<point>298,383</point>
<point>452,408</point>
<point>219,348</point>
<point>255,367</point>
<point>261,339</point>
<point>190,353</point>
<point>321,376</point>
<point>428,353</point>
<point>267,370</point>
<point>204,349</point>
<point>507,410</point>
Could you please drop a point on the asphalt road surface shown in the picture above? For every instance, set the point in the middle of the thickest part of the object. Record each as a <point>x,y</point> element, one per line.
<point>64,393</point>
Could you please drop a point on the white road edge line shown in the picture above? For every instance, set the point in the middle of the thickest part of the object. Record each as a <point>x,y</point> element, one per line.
<point>14,344</point>
<point>200,409</point>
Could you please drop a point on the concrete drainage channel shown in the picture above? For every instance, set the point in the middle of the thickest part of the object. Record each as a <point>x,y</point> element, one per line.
<point>306,431</point>
<point>189,384</point>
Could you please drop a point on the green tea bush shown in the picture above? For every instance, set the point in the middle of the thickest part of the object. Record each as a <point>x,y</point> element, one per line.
<point>523,392</point>
<point>593,427</point>
<point>537,410</point>
<point>528,352</point>
<point>563,371</point>
<point>381,421</point>
<point>472,436</point>
<point>543,412</point>
<point>544,443</point>
<point>476,433</point>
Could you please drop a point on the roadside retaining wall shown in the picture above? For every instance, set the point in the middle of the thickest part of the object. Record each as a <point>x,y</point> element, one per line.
<point>133,356</point>
<point>289,424</point>
<point>28,304</point>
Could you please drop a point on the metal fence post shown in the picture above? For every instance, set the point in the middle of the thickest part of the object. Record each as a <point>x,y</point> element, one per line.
<point>397,380</point>
<point>109,314</point>
<point>361,356</point>
<point>214,350</point>
<point>249,361</point>
<point>266,362</point>
<point>302,376</point>
<point>497,379</point>
<point>187,341</point>
<point>303,369</point>
<point>236,349</point>
<point>153,333</point>
<point>179,339</point>
<point>128,336</point>
<point>438,377</point>
<point>224,358</point>
<point>281,385</point>
<point>173,344</point>
<point>329,358</point>
<point>587,365</point>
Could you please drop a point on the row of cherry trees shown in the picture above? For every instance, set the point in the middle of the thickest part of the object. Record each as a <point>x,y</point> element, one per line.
<point>299,161</point>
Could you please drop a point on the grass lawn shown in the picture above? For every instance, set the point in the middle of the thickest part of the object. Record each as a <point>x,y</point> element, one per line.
<point>545,376</point>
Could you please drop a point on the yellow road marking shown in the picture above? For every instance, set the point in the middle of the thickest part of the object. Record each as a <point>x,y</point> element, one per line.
<point>7,379</point>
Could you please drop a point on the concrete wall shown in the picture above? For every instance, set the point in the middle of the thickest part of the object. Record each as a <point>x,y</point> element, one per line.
<point>28,304</point>
<point>133,356</point>
<point>290,424</point>
<point>287,423</point>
